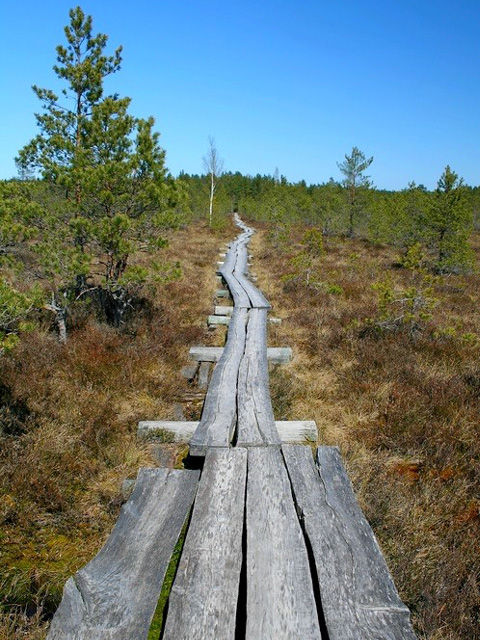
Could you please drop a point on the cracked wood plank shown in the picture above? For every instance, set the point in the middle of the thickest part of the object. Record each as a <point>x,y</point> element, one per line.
<point>358,594</point>
<point>238,293</point>
<point>203,600</point>
<point>255,424</point>
<point>280,598</point>
<point>219,414</point>
<point>114,596</point>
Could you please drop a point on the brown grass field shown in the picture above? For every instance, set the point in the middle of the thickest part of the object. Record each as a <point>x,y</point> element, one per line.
<point>396,385</point>
<point>69,416</point>
<point>400,399</point>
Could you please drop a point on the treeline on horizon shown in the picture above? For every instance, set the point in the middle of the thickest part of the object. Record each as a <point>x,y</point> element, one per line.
<point>435,224</point>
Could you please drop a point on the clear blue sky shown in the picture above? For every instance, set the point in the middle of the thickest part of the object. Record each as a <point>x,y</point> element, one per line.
<point>287,84</point>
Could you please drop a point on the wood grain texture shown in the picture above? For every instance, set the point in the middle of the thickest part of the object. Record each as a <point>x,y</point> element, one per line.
<point>114,596</point>
<point>222,310</point>
<point>234,271</point>
<point>214,321</point>
<point>358,595</point>
<point>290,431</point>
<point>181,430</point>
<point>275,355</point>
<point>256,297</point>
<point>280,598</point>
<point>203,600</point>
<point>297,431</point>
<point>219,414</point>
<point>256,424</point>
<point>203,375</point>
<point>237,292</point>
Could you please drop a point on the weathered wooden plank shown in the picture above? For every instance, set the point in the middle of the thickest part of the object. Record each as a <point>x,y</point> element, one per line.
<point>203,375</point>
<point>237,291</point>
<point>256,424</point>
<point>180,430</point>
<point>256,297</point>
<point>203,600</point>
<point>276,355</point>
<point>290,431</point>
<point>222,310</point>
<point>280,597</point>
<point>222,293</point>
<point>297,431</point>
<point>190,371</point>
<point>358,595</point>
<point>215,321</point>
<point>219,414</point>
<point>114,596</point>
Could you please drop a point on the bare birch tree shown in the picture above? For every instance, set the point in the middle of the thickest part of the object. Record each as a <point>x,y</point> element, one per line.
<point>213,165</point>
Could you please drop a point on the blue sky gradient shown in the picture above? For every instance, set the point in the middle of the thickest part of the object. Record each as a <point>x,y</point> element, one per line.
<point>284,84</point>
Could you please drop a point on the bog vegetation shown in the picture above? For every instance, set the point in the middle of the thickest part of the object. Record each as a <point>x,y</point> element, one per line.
<point>107,276</point>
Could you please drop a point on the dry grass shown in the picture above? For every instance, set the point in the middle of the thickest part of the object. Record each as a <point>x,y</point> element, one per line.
<point>403,405</point>
<point>69,417</point>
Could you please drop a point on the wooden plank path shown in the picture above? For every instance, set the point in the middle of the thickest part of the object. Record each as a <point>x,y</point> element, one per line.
<point>277,547</point>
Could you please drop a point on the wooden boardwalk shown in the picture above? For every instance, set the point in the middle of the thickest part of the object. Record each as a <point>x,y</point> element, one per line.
<point>276,548</point>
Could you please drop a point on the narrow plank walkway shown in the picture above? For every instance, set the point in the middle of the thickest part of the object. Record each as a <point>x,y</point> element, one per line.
<point>277,547</point>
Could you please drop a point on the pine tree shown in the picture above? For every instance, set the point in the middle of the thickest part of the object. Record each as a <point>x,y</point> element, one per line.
<point>352,168</point>
<point>118,196</point>
<point>449,224</point>
<point>59,150</point>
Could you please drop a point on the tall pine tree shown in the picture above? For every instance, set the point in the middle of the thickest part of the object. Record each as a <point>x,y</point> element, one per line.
<point>118,197</point>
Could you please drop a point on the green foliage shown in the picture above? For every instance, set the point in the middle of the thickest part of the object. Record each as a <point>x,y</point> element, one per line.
<point>334,289</point>
<point>355,182</point>
<point>313,242</point>
<point>117,196</point>
<point>448,225</point>
<point>17,210</point>
<point>15,307</point>
<point>403,309</point>
<point>403,218</point>
<point>414,258</point>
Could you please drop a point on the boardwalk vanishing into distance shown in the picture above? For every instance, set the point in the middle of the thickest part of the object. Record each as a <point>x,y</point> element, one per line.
<point>276,546</point>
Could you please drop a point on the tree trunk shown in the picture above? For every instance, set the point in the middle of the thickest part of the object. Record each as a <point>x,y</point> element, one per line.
<point>60,314</point>
<point>212,191</point>
<point>352,211</point>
